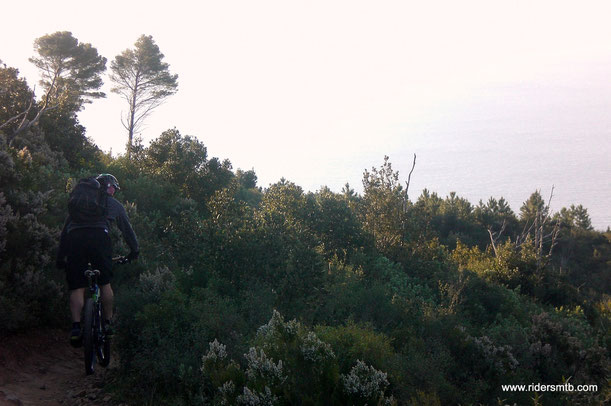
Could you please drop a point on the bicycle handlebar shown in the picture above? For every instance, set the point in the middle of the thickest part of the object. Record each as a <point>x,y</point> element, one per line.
<point>90,273</point>
<point>120,260</point>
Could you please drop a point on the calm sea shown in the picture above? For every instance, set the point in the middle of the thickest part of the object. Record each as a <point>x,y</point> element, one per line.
<point>508,143</point>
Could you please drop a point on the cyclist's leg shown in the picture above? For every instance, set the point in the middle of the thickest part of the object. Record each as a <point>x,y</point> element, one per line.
<point>77,300</point>
<point>107,300</point>
<point>75,272</point>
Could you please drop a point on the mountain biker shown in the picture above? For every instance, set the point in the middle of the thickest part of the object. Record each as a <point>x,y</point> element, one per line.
<point>88,241</point>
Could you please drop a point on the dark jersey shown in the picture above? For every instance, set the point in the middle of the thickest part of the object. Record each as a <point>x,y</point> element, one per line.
<point>116,214</point>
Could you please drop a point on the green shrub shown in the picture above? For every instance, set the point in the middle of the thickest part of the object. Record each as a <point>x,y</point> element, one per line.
<point>289,364</point>
<point>161,334</point>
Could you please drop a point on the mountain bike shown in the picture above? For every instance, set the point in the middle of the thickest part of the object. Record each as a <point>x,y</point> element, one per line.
<point>95,343</point>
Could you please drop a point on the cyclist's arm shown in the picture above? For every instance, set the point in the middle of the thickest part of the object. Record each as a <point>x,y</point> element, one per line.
<point>126,230</point>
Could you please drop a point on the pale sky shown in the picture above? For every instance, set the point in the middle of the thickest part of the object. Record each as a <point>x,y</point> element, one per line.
<point>497,98</point>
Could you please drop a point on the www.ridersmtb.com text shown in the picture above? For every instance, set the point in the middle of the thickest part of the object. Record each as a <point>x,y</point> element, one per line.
<point>539,387</point>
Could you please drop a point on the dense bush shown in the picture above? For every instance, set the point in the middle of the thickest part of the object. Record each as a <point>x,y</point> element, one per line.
<point>289,364</point>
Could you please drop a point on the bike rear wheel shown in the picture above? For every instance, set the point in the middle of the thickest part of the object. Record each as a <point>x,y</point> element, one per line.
<point>104,353</point>
<point>89,336</point>
<point>103,344</point>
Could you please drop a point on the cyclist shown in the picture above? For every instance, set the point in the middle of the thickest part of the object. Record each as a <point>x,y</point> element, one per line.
<point>88,241</point>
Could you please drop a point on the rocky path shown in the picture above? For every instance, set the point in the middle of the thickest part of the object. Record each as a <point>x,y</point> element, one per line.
<point>43,369</point>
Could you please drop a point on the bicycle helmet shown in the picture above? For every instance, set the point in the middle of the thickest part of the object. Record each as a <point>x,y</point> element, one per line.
<point>106,180</point>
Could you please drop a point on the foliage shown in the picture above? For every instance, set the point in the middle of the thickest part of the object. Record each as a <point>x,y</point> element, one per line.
<point>289,364</point>
<point>383,207</point>
<point>71,70</point>
<point>16,98</point>
<point>31,292</point>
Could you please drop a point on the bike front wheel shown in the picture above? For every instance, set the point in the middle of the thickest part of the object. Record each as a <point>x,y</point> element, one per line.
<point>89,336</point>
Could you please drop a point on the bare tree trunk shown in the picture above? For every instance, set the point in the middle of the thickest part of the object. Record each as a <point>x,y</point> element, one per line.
<point>403,212</point>
<point>409,177</point>
<point>131,124</point>
<point>130,136</point>
<point>496,236</point>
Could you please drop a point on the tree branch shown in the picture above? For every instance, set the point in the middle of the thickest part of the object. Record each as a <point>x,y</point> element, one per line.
<point>494,237</point>
<point>16,117</point>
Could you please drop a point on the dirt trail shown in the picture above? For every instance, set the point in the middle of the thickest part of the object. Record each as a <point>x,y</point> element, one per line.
<point>43,369</point>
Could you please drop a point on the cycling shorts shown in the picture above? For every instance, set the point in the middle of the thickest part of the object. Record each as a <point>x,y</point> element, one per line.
<point>88,245</point>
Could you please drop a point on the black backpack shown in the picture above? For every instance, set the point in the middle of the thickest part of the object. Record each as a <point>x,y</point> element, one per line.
<point>88,202</point>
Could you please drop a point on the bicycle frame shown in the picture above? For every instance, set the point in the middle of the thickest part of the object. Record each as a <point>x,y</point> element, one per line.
<point>92,279</point>
<point>94,341</point>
